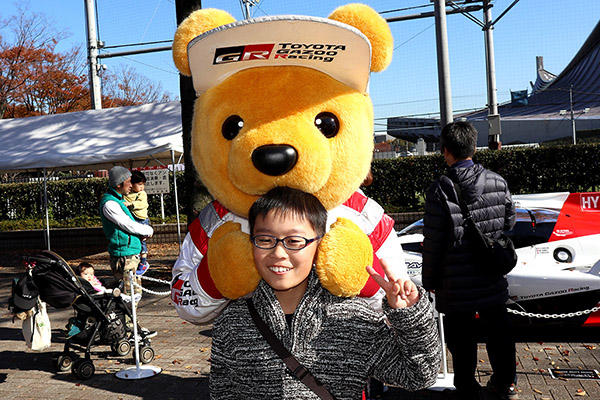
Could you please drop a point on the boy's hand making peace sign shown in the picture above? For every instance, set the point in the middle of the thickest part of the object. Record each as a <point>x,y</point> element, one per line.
<point>400,292</point>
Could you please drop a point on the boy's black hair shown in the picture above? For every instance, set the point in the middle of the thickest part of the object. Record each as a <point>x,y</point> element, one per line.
<point>83,266</point>
<point>137,177</point>
<point>460,139</point>
<point>285,201</point>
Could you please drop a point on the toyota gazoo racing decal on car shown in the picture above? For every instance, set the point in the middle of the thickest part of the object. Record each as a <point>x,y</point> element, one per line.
<point>557,237</point>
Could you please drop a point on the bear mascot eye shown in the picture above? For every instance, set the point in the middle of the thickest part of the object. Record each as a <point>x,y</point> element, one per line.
<point>232,126</point>
<point>328,124</point>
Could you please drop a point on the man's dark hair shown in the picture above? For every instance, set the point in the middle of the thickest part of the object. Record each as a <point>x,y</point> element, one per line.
<point>460,139</point>
<point>137,177</point>
<point>287,201</point>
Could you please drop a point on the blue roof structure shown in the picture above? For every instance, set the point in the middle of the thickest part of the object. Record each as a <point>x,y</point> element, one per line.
<point>551,94</point>
<point>540,116</point>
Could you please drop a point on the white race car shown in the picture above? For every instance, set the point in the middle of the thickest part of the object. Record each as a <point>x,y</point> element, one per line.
<point>557,237</point>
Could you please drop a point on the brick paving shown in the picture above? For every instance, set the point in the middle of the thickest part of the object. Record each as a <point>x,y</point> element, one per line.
<point>183,352</point>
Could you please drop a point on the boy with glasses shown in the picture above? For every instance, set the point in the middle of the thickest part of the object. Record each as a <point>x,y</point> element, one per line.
<point>340,341</point>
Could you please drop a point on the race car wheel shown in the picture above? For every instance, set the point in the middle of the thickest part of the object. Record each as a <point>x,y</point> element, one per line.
<point>83,369</point>
<point>146,354</point>
<point>563,255</point>
<point>64,362</point>
<point>122,348</point>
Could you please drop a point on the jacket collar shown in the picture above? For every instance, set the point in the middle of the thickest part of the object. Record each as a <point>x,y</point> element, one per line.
<point>269,309</point>
<point>462,164</point>
<point>471,181</point>
<point>115,193</point>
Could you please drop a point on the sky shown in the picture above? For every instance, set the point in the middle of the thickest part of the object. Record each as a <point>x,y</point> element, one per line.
<point>554,29</point>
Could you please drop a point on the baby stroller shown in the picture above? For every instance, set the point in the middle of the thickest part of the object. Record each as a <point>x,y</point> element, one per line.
<point>99,317</point>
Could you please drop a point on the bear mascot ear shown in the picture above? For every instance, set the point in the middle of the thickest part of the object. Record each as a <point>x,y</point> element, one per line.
<point>195,24</point>
<point>374,27</point>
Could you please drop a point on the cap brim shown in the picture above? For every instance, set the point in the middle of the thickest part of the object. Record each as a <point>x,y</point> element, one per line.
<point>336,49</point>
<point>24,304</point>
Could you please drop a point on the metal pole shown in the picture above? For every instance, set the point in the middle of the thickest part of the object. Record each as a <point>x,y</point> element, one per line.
<point>494,129</point>
<point>162,207</point>
<point>90,22</point>
<point>443,340</point>
<point>127,53</point>
<point>445,379</point>
<point>247,9</point>
<point>431,14</point>
<point>572,115</point>
<point>443,63</point>
<point>46,209</point>
<point>176,198</point>
<point>135,324</point>
<point>187,94</point>
<point>139,371</point>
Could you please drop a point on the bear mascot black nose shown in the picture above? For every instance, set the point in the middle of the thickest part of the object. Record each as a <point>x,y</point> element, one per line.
<point>274,159</point>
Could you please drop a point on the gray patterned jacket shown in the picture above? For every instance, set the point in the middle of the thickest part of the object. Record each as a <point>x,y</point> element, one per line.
<point>341,341</point>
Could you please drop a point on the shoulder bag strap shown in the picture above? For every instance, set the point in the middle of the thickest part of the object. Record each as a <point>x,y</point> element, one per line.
<point>469,221</point>
<point>297,369</point>
<point>461,202</point>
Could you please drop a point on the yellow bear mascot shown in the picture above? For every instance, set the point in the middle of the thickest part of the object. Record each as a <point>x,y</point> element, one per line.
<point>282,101</point>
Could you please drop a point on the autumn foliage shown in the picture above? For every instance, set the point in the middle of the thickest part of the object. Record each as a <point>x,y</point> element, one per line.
<point>36,79</point>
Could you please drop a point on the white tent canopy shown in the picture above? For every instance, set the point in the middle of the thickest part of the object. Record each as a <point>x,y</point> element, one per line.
<point>135,136</point>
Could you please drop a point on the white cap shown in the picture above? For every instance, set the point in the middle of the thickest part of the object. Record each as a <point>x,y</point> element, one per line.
<point>334,48</point>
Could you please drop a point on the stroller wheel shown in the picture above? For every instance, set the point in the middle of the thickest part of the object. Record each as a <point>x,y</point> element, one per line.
<point>83,369</point>
<point>122,348</point>
<point>64,362</point>
<point>146,354</point>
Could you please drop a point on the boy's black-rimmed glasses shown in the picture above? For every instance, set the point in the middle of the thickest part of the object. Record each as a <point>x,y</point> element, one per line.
<point>268,242</point>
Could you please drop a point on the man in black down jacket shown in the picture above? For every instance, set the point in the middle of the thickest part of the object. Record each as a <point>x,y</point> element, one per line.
<point>462,282</point>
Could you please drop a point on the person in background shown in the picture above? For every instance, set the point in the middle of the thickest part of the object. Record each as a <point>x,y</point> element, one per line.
<point>122,231</point>
<point>137,202</point>
<point>463,284</point>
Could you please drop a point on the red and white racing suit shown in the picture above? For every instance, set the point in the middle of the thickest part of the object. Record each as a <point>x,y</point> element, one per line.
<point>193,291</point>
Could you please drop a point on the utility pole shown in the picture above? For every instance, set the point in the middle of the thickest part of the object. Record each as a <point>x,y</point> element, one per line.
<point>494,129</point>
<point>93,56</point>
<point>443,64</point>
<point>247,7</point>
<point>572,114</point>
<point>92,47</point>
<point>183,8</point>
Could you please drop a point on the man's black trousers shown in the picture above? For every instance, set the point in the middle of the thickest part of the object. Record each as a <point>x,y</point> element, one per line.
<point>461,337</point>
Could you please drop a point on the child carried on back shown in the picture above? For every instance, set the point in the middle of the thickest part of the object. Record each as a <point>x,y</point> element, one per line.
<point>137,202</point>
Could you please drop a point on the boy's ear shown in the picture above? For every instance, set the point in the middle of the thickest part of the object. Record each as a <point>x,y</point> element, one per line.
<point>374,27</point>
<point>195,24</point>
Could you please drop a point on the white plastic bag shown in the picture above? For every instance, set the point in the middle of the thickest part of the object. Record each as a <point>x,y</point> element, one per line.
<point>37,330</point>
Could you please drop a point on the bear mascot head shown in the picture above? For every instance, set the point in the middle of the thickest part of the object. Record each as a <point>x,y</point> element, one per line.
<point>282,101</point>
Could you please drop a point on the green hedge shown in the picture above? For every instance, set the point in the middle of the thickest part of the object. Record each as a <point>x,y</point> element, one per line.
<point>76,222</point>
<point>70,201</point>
<point>399,184</point>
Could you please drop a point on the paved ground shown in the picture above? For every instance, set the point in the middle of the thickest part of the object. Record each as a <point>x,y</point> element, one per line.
<point>183,351</point>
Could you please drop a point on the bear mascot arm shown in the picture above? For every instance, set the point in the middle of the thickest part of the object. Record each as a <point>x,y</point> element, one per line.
<point>325,123</point>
